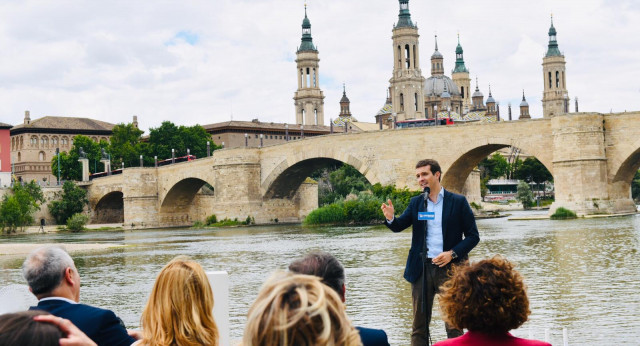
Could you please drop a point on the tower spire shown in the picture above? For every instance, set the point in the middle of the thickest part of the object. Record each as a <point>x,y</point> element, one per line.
<point>307,41</point>
<point>552,49</point>
<point>460,67</point>
<point>404,18</point>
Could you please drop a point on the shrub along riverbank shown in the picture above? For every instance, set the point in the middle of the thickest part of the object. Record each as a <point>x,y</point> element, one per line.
<point>362,208</point>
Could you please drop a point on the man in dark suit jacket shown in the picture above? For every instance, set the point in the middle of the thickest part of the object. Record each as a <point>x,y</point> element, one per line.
<point>451,233</point>
<point>331,271</point>
<point>54,280</point>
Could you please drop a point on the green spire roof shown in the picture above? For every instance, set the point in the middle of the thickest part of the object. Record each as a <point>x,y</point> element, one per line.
<point>404,18</point>
<point>553,44</point>
<point>307,41</point>
<point>460,67</point>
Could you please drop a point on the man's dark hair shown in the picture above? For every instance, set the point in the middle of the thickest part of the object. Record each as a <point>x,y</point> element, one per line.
<point>20,329</point>
<point>323,265</point>
<point>434,166</point>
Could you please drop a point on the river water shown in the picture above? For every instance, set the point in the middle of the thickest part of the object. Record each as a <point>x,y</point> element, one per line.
<point>582,275</point>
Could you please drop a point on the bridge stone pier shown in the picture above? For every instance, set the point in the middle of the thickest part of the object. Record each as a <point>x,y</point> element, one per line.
<point>592,157</point>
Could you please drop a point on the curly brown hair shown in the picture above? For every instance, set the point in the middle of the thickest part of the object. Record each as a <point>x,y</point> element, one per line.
<point>488,296</point>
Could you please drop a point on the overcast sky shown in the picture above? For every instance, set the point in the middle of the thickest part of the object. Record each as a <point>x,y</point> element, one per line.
<point>202,62</point>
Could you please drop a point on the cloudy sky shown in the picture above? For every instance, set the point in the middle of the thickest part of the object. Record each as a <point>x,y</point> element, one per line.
<point>201,62</point>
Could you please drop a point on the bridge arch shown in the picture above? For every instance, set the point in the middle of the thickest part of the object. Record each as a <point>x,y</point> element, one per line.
<point>110,208</point>
<point>286,178</point>
<point>181,194</point>
<point>627,168</point>
<point>456,174</point>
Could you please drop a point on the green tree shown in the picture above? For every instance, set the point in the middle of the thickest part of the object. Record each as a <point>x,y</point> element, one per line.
<point>338,181</point>
<point>524,195</point>
<point>125,146</point>
<point>494,167</point>
<point>17,209</point>
<point>70,168</point>
<point>72,201</point>
<point>533,171</point>
<point>169,136</point>
<point>635,187</point>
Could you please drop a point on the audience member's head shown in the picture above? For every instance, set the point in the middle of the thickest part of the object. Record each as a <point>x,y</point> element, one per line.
<point>325,266</point>
<point>488,296</point>
<point>180,307</point>
<point>50,271</point>
<point>294,309</point>
<point>20,329</point>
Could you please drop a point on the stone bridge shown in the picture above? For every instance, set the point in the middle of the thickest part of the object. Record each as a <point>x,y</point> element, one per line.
<point>592,157</point>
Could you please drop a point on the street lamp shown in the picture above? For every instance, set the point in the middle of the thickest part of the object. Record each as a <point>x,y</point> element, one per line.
<point>261,137</point>
<point>286,132</point>
<point>173,156</point>
<point>208,149</point>
<point>141,165</point>
<point>246,139</point>
<point>302,131</point>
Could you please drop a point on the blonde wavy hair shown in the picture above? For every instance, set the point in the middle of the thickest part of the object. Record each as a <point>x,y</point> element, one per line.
<point>180,308</point>
<point>294,309</point>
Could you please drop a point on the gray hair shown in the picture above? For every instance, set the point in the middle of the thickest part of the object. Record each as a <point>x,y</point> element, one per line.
<point>44,268</point>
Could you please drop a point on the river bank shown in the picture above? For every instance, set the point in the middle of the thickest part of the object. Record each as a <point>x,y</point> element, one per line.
<point>57,228</point>
<point>15,249</point>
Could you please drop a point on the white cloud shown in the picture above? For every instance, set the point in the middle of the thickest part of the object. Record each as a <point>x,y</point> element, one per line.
<point>197,62</point>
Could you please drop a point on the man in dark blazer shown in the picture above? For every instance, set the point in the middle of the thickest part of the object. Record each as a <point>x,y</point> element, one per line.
<point>451,233</point>
<point>325,266</point>
<point>54,280</point>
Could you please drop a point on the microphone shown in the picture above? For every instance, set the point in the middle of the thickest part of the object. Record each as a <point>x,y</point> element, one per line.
<point>426,192</point>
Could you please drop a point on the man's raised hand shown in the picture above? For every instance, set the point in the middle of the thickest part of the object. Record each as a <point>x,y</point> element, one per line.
<point>387,210</point>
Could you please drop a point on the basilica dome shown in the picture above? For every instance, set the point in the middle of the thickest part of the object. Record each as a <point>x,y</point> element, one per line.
<point>434,86</point>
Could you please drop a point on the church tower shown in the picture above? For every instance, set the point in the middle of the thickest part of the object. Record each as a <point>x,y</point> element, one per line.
<point>555,98</point>
<point>524,108</point>
<point>345,112</point>
<point>407,81</point>
<point>491,104</point>
<point>308,99</point>
<point>478,99</point>
<point>460,76</point>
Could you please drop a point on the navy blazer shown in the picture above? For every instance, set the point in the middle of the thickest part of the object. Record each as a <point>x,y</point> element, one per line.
<point>457,220</point>
<point>373,337</point>
<point>102,326</point>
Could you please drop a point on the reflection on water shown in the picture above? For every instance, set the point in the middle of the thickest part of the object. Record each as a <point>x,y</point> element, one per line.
<point>582,274</point>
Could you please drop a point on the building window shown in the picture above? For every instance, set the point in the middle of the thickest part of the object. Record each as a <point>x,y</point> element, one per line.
<point>415,64</point>
<point>407,53</point>
<point>41,156</point>
<point>557,79</point>
<point>401,102</point>
<point>315,79</point>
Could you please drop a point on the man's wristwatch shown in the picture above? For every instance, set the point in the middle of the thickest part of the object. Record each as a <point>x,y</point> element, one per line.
<point>454,255</point>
